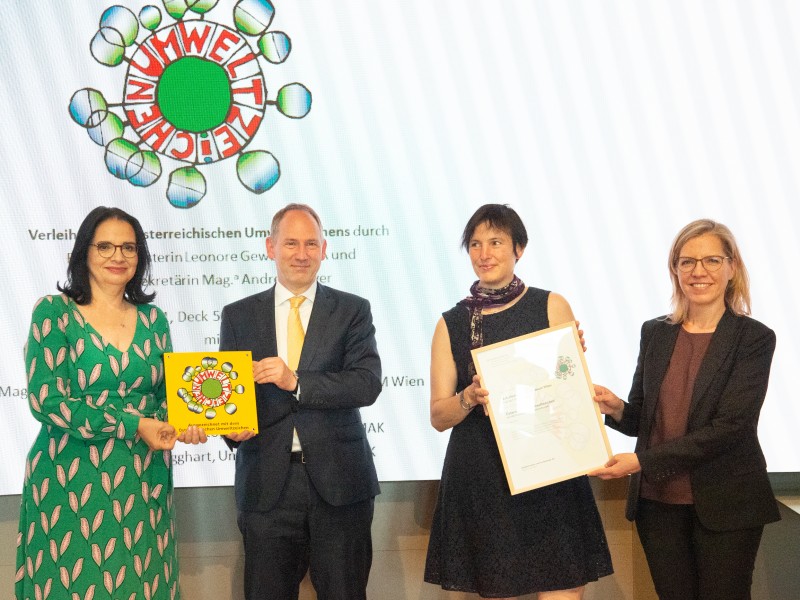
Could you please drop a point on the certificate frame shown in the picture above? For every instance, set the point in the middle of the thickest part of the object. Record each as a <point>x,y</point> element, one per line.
<point>547,426</point>
<point>213,390</point>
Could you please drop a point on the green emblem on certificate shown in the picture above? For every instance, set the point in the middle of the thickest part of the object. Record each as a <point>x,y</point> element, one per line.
<point>565,367</point>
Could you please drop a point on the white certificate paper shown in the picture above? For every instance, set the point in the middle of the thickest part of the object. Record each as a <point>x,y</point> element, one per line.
<point>547,426</point>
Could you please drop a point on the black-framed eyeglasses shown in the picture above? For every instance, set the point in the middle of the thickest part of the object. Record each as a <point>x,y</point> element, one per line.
<point>107,249</point>
<point>686,264</point>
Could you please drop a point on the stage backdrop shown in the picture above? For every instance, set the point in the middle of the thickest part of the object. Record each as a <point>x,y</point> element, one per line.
<point>607,125</point>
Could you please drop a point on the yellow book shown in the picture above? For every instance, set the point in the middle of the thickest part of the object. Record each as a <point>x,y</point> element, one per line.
<point>214,390</point>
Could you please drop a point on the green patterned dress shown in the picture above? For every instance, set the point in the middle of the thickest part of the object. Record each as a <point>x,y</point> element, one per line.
<point>96,520</point>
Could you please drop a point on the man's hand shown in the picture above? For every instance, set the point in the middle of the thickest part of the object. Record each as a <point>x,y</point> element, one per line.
<point>274,370</point>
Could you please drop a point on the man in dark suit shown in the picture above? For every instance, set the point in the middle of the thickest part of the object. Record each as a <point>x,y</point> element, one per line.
<point>305,485</point>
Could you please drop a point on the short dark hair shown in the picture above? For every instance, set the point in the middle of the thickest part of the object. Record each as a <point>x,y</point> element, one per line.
<point>497,216</point>
<point>77,284</point>
<point>278,217</point>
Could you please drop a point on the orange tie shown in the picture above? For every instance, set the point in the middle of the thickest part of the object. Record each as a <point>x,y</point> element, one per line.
<point>294,333</point>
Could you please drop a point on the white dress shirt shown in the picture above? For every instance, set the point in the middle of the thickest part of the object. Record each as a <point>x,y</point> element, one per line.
<point>282,307</point>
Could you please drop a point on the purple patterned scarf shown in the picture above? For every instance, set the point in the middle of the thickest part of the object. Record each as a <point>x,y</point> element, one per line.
<point>481,298</point>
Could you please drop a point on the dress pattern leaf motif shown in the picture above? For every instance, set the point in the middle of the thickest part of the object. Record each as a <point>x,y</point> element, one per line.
<point>97,341</point>
<point>114,365</point>
<point>62,443</point>
<point>48,358</point>
<point>65,542</point>
<point>97,514</point>
<point>61,356</point>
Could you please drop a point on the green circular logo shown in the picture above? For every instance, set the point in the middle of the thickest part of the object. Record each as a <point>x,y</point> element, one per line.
<point>194,94</point>
<point>211,388</point>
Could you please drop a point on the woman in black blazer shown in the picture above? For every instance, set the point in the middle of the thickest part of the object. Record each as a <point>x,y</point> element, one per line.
<point>699,491</point>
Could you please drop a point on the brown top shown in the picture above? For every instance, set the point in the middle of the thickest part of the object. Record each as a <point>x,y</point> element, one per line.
<point>672,412</point>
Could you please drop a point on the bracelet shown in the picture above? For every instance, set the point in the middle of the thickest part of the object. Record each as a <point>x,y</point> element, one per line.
<point>464,404</point>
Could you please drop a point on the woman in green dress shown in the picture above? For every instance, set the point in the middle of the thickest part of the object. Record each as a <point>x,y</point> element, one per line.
<point>96,520</point>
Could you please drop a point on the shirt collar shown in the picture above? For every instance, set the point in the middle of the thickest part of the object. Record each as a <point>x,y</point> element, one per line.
<point>282,294</point>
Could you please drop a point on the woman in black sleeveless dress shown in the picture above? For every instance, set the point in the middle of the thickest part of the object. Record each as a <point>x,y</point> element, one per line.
<point>483,539</point>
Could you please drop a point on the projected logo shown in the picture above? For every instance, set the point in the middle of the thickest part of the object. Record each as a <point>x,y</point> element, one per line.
<point>194,94</point>
<point>210,388</point>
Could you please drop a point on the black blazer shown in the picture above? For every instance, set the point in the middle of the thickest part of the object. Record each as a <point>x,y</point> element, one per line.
<point>339,372</point>
<point>720,450</point>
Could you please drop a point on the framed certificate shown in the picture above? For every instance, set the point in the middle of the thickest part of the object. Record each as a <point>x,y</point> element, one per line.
<point>547,426</point>
<point>214,390</point>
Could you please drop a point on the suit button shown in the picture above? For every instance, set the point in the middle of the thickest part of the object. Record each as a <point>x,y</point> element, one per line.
<point>294,407</point>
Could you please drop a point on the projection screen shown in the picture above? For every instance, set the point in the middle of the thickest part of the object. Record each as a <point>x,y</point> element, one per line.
<point>607,125</point>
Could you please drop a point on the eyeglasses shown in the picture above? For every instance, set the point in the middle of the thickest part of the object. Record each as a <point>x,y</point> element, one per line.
<point>107,249</point>
<point>687,264</point>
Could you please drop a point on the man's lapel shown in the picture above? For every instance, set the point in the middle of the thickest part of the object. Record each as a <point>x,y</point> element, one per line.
<point>263,331</point>
<point>319,325</point>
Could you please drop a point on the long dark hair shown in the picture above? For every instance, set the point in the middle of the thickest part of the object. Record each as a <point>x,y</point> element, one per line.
<point>77,284</point>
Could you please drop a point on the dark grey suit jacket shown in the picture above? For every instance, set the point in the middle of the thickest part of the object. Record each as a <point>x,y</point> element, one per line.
<point>720,450</point>
<point>339,372</point>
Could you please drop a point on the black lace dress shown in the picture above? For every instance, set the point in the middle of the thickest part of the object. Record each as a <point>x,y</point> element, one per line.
<point>485,540</point>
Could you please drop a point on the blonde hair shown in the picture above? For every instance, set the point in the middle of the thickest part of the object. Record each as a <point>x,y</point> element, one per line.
<point>737,294</point>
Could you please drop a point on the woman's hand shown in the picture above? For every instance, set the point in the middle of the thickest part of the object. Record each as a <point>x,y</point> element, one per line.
<point>580,335</point>
<point>241,436</point>
<point>609,403</point>
<point>474,394</point>
<point>620,465</point>
<point>158,435</point>
<point>193,435</point>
